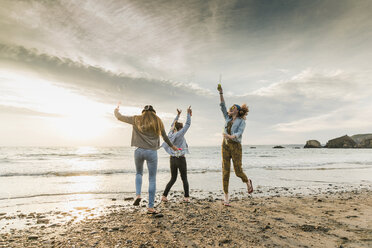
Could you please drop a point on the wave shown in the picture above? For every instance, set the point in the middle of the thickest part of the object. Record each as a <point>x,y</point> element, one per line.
<point>65,194</point>
<point>66,173</point>
<point>92,173</point>
<point>317,165</point>
<point>213,169</point>
<point>53,156</point>
<point>68,154</point>
<point>319,168</point>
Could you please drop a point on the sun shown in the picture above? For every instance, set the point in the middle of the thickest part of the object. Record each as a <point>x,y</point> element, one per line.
<point>83,119</point>
<point>69,113</point>
<point>80,128</point>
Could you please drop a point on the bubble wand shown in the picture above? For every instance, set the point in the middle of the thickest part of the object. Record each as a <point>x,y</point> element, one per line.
<point>219,85</point>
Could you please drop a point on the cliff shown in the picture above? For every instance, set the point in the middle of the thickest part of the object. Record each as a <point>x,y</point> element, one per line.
<point>362,139</point>
<point>342,142</point>
<point>313,144</point>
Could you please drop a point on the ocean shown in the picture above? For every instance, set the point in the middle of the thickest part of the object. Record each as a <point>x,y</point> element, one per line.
<point>49,178</point>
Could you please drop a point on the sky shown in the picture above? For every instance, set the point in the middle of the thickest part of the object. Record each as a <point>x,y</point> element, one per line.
<point>303,68</point>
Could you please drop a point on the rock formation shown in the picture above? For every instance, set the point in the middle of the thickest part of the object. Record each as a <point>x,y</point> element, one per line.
<point>363,140</point>
<point>313,144</point>
<point>366,143</point>
<point>342,142</point>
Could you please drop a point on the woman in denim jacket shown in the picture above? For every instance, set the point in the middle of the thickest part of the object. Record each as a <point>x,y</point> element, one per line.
<point>178,160</point>
<point>231,146</point>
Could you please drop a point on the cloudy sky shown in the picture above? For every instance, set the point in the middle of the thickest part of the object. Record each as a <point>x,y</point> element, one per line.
<point>303,67</point>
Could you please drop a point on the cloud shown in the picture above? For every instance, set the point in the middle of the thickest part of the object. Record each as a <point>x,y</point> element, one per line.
<point>246,41</point>
<point>6,110</point>
<point>102,84</point>
<point>317,86</point>
<point>97,84</point>
<point>346,118</point>
<point>170,54</point>
<point>312,100</point>
<point>303,102</point>
<point>159,38</point>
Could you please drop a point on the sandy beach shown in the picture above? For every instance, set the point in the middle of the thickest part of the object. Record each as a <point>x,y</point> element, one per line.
<point>104,101</point>
<point>342,219</point>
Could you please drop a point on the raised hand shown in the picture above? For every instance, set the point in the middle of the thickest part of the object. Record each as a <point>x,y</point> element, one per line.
<point>219,88</point>
<point>117,107</point>
<point>179,111</point>
<point>189,111</point>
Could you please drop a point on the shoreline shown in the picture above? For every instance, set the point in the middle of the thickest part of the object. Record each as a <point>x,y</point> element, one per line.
<point>328,219</point>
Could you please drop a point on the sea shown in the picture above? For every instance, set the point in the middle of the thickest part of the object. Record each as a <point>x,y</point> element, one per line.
<point>40,179</point>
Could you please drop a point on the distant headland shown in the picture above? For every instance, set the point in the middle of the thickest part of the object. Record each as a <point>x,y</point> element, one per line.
<point>355,141</point>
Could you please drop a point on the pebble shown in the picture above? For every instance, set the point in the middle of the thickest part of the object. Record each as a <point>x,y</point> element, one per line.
<point>33,237</point>
<point>55,225</point>
<point>224,241</point>
<point>159,215</point>
<point>42,221</point>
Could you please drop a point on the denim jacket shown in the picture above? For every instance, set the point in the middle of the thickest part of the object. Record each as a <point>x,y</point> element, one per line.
<point>178,138</point>
<point>238,126</point>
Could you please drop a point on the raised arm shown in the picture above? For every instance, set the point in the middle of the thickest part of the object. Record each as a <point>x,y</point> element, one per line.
<point>187,124</point>
<point>175,119</point>
<point>222,104</point>
<point>123,118</point>
<point>219,88</point>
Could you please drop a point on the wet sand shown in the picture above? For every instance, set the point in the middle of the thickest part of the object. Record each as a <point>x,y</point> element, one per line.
<point>342,219</point>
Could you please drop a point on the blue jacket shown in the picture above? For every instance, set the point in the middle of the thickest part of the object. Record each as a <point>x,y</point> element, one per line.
<point>238,126</point>
<point>178,138</point>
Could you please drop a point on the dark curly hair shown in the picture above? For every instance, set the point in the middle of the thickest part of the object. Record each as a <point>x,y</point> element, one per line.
<point>243,112</point>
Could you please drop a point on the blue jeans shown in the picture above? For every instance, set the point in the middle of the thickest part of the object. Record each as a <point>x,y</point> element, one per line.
<point>151,157</point>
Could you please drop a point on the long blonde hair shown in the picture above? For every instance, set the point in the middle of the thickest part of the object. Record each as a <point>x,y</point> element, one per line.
<point>149,122</point>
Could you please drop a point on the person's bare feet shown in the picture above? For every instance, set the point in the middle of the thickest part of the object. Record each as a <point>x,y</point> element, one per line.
<point>250,186</point>
<point>186,199</point>
<point>164,199</point>
<point>226,201</point>
<point>152,211</point>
